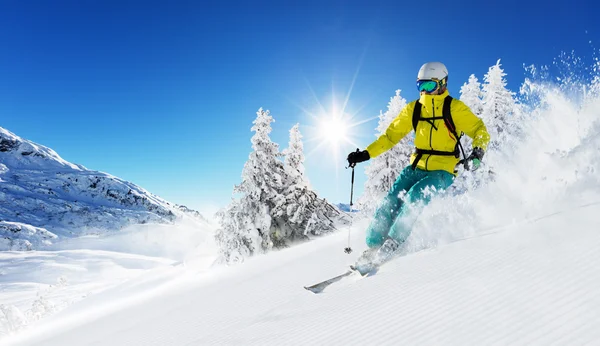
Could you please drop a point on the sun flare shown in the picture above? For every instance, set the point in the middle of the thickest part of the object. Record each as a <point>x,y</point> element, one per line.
<point>333,130</point>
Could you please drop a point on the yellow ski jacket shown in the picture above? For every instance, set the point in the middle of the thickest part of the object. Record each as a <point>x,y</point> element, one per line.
<point>433,134</point>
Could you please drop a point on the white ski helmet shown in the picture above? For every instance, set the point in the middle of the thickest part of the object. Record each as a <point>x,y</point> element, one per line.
<point>433,70</point>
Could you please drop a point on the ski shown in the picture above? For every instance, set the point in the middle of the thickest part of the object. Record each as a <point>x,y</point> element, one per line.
<point>363,271</point>
<point>362,268</point>
<point>320,286</point>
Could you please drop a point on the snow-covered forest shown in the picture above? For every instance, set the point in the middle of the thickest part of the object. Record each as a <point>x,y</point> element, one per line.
<point>277,207</point>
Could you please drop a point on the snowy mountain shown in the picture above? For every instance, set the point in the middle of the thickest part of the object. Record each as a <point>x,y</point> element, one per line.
<point>42,196</point>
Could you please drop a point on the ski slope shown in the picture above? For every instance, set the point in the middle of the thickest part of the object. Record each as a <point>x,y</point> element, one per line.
<point>534,282</point>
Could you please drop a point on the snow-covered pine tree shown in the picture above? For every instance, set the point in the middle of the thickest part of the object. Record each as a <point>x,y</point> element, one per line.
<point>246,227</point>
<point>300,213</point>
<point>383,170</point>
<point>471,95</point>
<point>294,157</point>
<point>500,111</point>
<point>303,214</point>
<point>324,217</point>
<point>233,247</point>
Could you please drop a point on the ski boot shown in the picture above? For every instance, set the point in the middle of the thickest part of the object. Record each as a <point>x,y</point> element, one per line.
<point>371,259</point>
<point>367,256</point>
<point>364,264</point>
<point>385,252</point>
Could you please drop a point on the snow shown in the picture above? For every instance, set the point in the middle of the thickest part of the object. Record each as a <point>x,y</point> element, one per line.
<point>528,283</point>
<point>37,284</point>
<point>513,262</point>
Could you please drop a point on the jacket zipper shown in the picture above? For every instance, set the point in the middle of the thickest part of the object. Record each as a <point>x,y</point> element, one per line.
<point>431,132</point>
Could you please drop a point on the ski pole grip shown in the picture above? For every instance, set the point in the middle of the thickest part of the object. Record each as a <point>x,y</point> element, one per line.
<point>353,164</point>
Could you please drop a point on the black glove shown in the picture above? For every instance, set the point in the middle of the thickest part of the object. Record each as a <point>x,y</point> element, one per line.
<point>476,157</point>
<point>358,156</point>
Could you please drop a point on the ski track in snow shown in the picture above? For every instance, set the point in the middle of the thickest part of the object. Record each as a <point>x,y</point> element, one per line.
<point>519,286</point>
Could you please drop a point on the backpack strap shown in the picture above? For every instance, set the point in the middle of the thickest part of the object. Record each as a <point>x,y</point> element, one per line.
<point>448,117</point>
<point>421,152</point>
<point>416,115</point>
<point>450,125</point>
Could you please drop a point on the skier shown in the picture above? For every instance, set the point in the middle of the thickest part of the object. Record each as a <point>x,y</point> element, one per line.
<point>437,120</point>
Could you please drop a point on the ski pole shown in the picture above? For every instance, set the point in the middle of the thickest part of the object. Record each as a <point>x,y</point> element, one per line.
<point>348,249</point>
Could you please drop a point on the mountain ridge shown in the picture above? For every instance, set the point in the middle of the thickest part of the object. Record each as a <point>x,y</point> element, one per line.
<point>41,190</point>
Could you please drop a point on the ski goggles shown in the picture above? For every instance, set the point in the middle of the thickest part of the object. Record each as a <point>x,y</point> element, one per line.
<point>428,85</point>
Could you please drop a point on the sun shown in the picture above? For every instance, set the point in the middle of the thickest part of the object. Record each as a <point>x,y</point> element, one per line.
<point>334,130</point>
<point>333,127</point>
<point>334,134</point>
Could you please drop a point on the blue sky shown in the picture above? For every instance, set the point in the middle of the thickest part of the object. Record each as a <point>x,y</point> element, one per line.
<point>163,94</point>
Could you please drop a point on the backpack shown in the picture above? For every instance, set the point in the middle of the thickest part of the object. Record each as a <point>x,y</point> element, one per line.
<point>447,117</point>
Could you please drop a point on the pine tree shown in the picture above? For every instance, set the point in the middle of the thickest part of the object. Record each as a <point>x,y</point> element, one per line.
<point>471,95</point>
<point>246,226</point>
<point>294,157</point>
<point>500,111</point>
<point>234,246</point>
<point>302,214</point>
<point>383,170</point>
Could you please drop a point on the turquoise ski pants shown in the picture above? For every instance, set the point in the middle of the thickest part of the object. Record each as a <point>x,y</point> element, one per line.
<point>389,217</point>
